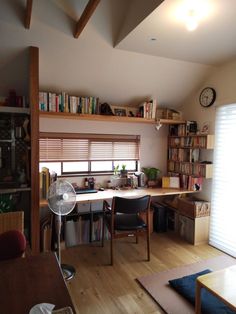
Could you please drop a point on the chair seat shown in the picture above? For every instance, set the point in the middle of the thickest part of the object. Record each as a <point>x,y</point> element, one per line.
<point>124,222</point>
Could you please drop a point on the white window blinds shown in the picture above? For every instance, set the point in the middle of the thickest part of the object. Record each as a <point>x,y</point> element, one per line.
<point>223,215</point>
<point>87,147</point>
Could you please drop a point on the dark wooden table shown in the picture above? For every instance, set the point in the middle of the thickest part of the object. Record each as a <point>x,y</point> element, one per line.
<point>25,282</point>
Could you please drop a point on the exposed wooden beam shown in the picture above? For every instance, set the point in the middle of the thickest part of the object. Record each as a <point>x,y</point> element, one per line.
<point>29,5</point>
<point>88,11</point>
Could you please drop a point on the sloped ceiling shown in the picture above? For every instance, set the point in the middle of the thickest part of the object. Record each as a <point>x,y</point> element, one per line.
<point>90,65</point>
<point>212,43</point>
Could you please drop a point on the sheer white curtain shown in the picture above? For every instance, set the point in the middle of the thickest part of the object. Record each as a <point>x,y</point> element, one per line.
<point>223,215</point>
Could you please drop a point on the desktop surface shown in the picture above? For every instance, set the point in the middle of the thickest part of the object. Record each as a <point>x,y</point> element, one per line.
<point>108,194</point>
<point>28,281</point>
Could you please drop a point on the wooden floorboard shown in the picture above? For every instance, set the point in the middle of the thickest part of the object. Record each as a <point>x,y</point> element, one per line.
<point>98,288</point>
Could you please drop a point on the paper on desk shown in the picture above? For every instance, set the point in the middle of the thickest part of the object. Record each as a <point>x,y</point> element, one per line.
<point>42,308</point>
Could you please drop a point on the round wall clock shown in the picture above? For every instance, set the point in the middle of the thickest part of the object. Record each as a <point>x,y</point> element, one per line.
<point>207,97</point>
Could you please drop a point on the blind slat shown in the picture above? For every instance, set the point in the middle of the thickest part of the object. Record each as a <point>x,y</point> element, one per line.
<point>92,148</point>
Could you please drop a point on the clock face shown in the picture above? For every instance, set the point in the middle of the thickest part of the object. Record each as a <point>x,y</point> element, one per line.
<point>207,96</point>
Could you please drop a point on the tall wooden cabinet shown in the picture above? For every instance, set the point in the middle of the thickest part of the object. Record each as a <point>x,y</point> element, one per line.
<point>34,128</point>
<point>19,157</point>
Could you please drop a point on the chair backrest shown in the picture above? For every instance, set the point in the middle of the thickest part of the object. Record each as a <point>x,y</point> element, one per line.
<point>12,244</point>
<point>130,205</point>
<point>12,221</point>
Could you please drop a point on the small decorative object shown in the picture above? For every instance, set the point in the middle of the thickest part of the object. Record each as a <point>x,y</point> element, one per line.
<point>205,128</point>
<point>191,127</point>
<point>120,112</point>
<point>105,109</point>
<point>12,98</point>
<point>207,97</point>
<point>25,127</point>
<point>22,176</point>
<point>152,175</point>
<point>123,171</point>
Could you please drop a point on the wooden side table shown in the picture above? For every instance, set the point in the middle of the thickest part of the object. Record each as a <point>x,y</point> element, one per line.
<point>221,283</point>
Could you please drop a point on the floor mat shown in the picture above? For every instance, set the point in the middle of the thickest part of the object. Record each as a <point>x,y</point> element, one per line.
<point>169,300</point>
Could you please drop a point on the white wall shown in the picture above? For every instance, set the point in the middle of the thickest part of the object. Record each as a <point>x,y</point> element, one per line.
<point>223,79</point>
<point>153,148</point>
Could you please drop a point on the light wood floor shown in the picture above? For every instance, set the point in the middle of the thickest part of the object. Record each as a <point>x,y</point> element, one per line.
<point>100,288</point>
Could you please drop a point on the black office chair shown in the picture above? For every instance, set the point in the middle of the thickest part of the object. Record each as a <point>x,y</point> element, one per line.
<point>124,218</point>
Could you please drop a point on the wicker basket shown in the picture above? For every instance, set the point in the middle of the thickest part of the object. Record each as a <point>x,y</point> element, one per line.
<point>12,221</point>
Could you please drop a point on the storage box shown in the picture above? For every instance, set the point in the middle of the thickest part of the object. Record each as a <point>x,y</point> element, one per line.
<point>193,207</point>
<point>165,113</point>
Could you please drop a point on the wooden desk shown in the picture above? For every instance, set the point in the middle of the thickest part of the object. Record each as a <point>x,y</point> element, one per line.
<point>221,283</point>
<point>25,282</point>
<point>109,193</point>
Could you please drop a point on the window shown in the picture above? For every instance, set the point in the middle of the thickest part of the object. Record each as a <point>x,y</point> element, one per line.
<point>223,215</point>
<point>74,154</point>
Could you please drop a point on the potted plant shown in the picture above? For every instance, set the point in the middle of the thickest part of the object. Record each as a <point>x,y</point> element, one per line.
<point>152,174</point>
<point>116,169</point>
<point>123,171</point>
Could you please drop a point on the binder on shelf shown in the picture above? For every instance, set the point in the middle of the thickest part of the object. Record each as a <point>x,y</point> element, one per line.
<point>171,182</point>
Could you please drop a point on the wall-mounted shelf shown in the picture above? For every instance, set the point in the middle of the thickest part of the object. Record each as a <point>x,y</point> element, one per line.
<point>95,117</point>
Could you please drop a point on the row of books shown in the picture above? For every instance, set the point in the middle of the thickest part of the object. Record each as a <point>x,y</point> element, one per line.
<point>45,180</point>
<point>188,128</point>
<point>184,155</point>
<point>188,182</point>
<point>64,102</point>
<point>177,130</point>
<point>188,141</point>
<point>187,168</point>
<point>148,109</point>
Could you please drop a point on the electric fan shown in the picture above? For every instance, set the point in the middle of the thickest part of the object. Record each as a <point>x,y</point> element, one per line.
<point>61,201</point>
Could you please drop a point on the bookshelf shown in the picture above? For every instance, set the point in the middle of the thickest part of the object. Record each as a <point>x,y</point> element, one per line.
<point>63,105</point>
<point>184,156</point>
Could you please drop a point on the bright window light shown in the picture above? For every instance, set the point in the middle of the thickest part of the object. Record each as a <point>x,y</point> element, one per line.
<point>101,166</point>
<point>223,213</point>
<point>75,166</point>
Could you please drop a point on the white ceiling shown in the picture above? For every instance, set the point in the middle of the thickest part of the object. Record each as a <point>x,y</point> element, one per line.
<point>169,69</point>
<point>213,42</point>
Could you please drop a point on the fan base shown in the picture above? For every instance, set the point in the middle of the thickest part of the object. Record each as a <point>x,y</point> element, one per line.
<point>68,271</point>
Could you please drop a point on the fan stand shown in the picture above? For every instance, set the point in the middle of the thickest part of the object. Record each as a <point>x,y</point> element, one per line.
<point>68,271</point>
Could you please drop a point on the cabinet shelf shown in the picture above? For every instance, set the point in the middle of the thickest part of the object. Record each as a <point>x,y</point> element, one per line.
<point>6,141</point>
<point>95,117</point>
<point>14,190</point>
<point>7,109</point>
